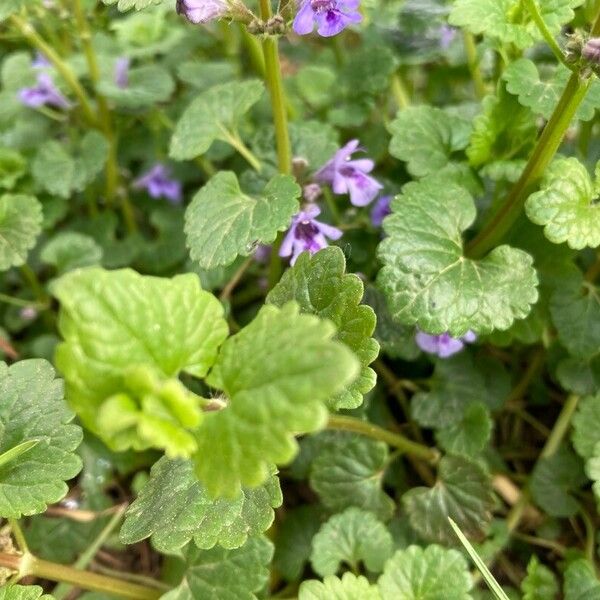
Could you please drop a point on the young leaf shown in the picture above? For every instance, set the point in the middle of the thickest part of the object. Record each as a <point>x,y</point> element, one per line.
<point>70,250</point>
<point>553,480</point>
<point>222,222</point>
<point>469,436</point>
<point>581,582</point>
<point>20,224</point>
<point>351,537</point>
<point>321,287</point>
<point>350,473</point>
<point>276,373</point>
<point>173,508</point>
<point>426,138</point>
<point>112,321</point>
<point>349,587</point>
<point>427,279</point>
<point>221,574</point>
<point>463,492</point>
<point>32,409</point>
<point>23,592</point>
<point>213,116</point>
<point>540,583</point>
<point>565,204</point>
<point>431,573</point>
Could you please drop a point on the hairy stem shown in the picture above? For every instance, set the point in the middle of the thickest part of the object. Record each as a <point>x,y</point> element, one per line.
<point>375,432</point>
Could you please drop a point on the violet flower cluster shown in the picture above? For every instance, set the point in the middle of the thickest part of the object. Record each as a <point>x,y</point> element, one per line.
<point>159,184</point>
<point>443,345</point>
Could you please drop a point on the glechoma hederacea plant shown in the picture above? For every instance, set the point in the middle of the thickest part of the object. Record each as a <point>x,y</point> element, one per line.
<point>299,299</point>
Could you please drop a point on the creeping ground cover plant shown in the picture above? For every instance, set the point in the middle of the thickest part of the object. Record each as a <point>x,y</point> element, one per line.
<point>300,300</point>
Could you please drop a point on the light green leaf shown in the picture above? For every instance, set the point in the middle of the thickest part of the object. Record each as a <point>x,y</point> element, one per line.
<point>222,222</point>
<point>221,574</point>
<point>540,583</point>
<point>349,587</point>
<point>114,320</point>
<point>462,492</point>
<point>276,374</point>
<point>20,225</point>
<point>32,408</point>
<point>430,573</point>
<point>541,95</point>
<point>23,592</point>
<point>566,204</point>
<point>586,426</point>
<point>428,280</point>
<point>552,481</point>
<point>426,138</point>
<point>469,436</point>
<point>581,582</point>
<point>321,287</point>
<point>350,473</point>
<point>351,537</point>
<point>213,116</point>
<point>70,250</point>
<point>173,508</point>
<point>508,21</point>
<point>12,167</point>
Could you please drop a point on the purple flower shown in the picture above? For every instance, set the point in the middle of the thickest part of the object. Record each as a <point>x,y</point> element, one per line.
<point>45,93</point>
<point>443,345</point>
<point>40,61</point>
<point>202,11</point>
<point>381,209</point>
<point>307,234</point>
<point>348,176</point>
<point>122,72</point>
<point>158,183</point>
<point>447,35</point>
<point>330,16</point>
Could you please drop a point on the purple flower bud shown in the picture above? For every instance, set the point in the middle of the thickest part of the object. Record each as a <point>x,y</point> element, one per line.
<point>45,93</point>
<point>121,72</point>
<point>381,209</point>
<point>40,61</point>
<point>447,35</point>
<point>591,50</point>
<point>262,254</point>
<point>158,183</point>
<point>202,11</point>
<point>443,345</point>
<point>312,192</point>
<point>330,16</point>
<point>28,313</point>
<point>307,234</point>
<point>348,176</point>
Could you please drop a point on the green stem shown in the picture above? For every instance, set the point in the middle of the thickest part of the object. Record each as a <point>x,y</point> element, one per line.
<point>236,141</point>
<point>33,37</point>
<point>399,91</point>
<point>22,303</point>
<point>18,535</point>
<point>28,565</point>
<point>255,53</point>
<point>473,64</point>
<point>344,423</point>
<point>560,427</point>
<point>534,11</point>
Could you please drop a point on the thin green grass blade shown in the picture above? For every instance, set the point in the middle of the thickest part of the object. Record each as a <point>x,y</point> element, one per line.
<point>17,451</point>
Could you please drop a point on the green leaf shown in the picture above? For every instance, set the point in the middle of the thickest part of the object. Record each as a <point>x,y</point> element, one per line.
<point>592,470</point>
<point>428,280</point>
<point>276,374</point>
<point>147,86</point>
<point>508,21</point>
<point>541,95</point>
<point>462,492</point>
<point>23,592</point>
<point>221,574</point>
<point>222,222</point>
<point>321,287</point>
<point>12,167</point>
<point>33,409</point>
<point>213,116</point>
<point>575,311</point>
<point>349,587</point>
<point>586,426</point>
<point>552,481</point>
<point>351,537</point>
<point>429,573</point>
<point>173,507</point>
<point>124,5</point>
<point>113,321</point>
<point>566,204</point>
<point>469,436</point>
<point>581,582</point>
<point>70,250</point>
<point>426,138</point>
<point>350,473</point>
<point>540,583</point>
<point>293,542</point>
<point>20,225</point>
